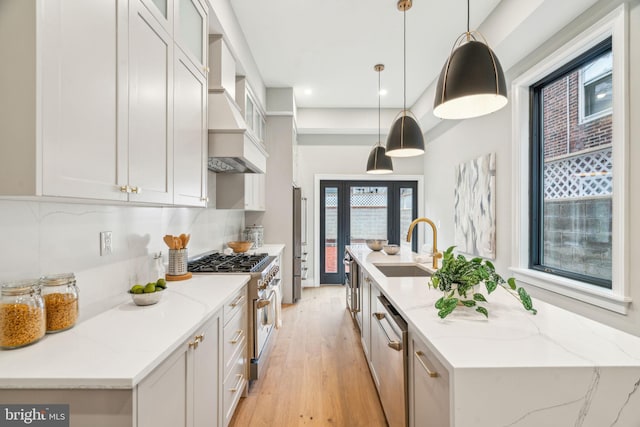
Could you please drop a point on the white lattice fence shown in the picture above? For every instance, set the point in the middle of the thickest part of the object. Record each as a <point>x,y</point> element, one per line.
<point>583,175</point>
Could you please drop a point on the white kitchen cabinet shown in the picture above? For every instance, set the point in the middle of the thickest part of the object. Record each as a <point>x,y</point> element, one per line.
<point>191,32</point>
<point>89,101</point>
<point>251,110</point>
<point>61,98</point>
<point>183,390</point>
<point>241,191</point>
<point>190,135</point>
<point>234,354</point>
<point>365,308</point>
<point>150,120</point>
<point>428,387</point>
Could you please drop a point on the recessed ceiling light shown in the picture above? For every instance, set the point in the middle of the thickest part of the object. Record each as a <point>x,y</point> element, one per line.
<point>383,92</point>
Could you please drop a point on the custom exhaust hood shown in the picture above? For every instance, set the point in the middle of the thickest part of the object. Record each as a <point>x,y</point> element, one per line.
<point>232,149</point>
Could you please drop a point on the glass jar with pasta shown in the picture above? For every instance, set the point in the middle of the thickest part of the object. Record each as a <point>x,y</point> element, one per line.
<point>60,295</point>
<point>22,313</point>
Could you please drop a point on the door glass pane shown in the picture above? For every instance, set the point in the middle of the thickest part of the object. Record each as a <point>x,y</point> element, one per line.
<point>162,6</point>
<point>331,230</point>
<point>191,25</point>
<point>368,213</point>
<point>406,214</point>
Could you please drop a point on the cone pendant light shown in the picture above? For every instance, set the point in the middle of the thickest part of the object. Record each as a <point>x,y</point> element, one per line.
<point>405,136</point>
<point>379,162</point>
<point>471,83</point>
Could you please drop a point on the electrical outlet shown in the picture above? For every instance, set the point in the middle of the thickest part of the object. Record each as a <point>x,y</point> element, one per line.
<point>105,243</point>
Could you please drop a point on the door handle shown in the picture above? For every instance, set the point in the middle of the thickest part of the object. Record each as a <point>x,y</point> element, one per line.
<point>419,354</point>
<point>396,345</point>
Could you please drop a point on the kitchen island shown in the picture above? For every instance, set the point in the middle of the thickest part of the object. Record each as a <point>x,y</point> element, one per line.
<point>555,368</point>
<point>104,362</point>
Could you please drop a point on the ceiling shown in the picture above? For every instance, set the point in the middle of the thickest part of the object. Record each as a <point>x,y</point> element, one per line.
<point>329,47</point>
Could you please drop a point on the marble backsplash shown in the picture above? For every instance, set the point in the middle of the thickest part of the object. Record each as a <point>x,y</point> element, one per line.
<point>48,238</point>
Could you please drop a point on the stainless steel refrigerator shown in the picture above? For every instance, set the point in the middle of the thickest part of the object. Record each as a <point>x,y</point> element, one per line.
<point>298,241</point>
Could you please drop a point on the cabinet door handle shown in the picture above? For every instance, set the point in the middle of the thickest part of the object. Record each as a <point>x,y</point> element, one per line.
<point>193,344</point>
<point>199,338</point>
<point>396,345</point>
<point>125,189</point>
<point>136,190</point>
<point>236,301</point>
<point>419,355</point>
<point>238,384</point>
<point>235,339</point>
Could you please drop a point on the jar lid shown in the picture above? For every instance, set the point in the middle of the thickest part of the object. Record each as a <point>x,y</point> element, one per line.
<point>20,287</point>
<point>58,279</point>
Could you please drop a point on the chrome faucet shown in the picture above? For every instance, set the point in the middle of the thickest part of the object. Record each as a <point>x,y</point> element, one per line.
<point>436,255</point>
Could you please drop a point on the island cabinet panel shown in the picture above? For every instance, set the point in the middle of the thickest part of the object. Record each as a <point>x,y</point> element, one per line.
<point>429,388</point>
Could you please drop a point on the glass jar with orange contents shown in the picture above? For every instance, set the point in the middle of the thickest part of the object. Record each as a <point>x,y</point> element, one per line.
<point>22,313</point>
<point>60,295</point>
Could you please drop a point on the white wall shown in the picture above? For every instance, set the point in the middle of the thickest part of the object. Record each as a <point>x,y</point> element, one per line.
<point>452,143</point>
<point>48,238</point>
<point>325,155</point>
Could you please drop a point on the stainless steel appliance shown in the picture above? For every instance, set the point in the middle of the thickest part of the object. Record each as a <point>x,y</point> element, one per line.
<point>262,287</point>
<point>389,338</point>
<point>297,243</point>
<point>352,285</point>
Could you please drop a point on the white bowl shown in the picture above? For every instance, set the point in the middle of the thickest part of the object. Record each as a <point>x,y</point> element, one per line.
<point>376,244</point>
<point>391,249</point>
<point>146,299</point>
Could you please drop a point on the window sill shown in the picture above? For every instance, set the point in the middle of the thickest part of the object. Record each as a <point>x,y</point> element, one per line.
<point>581,291</point>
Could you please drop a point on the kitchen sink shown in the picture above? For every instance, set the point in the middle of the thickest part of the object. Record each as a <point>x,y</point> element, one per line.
<point>403,270</point>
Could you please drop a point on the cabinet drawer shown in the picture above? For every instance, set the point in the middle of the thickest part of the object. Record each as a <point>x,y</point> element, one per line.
<point>234,338</point>
<point>234,384</point>
<point>430,385</point>
<point>237,303</point>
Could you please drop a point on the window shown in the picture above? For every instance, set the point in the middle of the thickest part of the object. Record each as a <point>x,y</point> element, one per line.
<point>570,145</point>
<point>572,169</point>
<point>596,85</point>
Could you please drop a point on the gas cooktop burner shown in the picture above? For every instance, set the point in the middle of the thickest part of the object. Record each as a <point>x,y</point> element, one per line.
<point>219,263</point>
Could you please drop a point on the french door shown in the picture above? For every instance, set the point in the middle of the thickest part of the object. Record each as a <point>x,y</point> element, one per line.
<point>353,211</point>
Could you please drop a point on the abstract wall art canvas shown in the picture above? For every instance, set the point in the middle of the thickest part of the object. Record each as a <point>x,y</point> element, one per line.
<point>474,213</point>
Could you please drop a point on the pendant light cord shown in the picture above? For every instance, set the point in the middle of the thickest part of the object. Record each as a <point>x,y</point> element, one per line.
<point>404,43</point>
<point>379,71</point>
<point>468,13</point>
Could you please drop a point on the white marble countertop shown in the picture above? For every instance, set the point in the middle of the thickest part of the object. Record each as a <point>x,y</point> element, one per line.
<point>272,249</point>
<point>511,337</point>
<point>119,347</point>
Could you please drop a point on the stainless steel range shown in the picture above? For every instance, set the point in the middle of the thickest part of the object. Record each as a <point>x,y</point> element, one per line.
<point>262,286</point>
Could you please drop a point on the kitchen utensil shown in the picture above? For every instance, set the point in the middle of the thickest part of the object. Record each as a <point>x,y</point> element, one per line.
<point>186,240</point>
<point>391,249</point>
<point>183,240</point>
<point>168,239</point>
<point>376,244</point>
<point>146,299</point>
<point>240,246</point>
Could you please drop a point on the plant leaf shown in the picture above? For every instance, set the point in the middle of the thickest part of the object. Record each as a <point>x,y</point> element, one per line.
<point>483,311</point>
<point>526,300</point>
<point>479,297</point>
<point>440,303</point>
<point>491,285</point>
<point>512,283</point>
<point>468,302</point>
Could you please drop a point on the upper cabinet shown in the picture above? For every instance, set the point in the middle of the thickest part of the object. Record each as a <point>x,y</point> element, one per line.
<point>90,95</point>
<point>253,114</point>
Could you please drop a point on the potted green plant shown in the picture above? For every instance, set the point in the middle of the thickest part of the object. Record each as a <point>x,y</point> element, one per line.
<point>459,276</point>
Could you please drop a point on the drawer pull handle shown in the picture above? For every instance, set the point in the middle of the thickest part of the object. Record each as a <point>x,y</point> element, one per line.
<point>199,338</point>
<point>419,355</point>
<point>238,384</point>
<point>235,339</point>
<point>236,301</point>
<point>194,344</point>
<point>396,345</point>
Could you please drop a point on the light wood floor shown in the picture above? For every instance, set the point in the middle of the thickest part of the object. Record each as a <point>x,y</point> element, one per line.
<point>316,374</point>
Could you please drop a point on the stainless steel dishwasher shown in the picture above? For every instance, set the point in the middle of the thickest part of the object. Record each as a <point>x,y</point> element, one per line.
<point>389,336</point>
